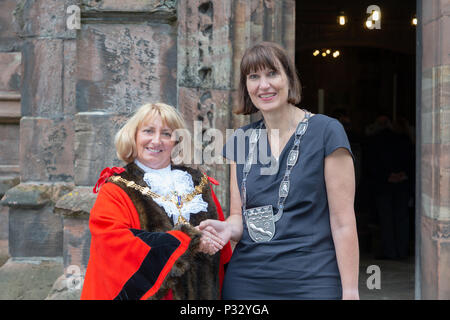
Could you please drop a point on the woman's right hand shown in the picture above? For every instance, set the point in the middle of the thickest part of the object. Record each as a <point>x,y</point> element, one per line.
<point>222,229</point>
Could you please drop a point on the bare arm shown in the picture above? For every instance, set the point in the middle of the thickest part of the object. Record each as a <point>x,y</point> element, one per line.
<point>340,184</point>
<point>230,229</point>
<point>235,218</point>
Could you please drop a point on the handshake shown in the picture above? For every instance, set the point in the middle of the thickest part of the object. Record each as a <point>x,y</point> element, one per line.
<point>215,235</point>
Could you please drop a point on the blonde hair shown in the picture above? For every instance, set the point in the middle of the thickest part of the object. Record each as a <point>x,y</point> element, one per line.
<point>125,139</point>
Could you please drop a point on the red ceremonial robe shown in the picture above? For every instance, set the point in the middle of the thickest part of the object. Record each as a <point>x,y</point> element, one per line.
<point>137,253</point>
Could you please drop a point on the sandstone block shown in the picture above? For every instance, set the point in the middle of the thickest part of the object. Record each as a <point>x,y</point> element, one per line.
<point>42,18</point>
<point>9,144</point>
<point>35,233</point>
<point>34,230</point>
<point>205,50</point>
<point>46,149</point>
<point>167,7</point>
<point>10,64</point>
<point>94,145</point>
<point>74,207</point>
<point>435,253</point>
<point>28,278</point>
<point>43,70</point>
<point>122,66</point>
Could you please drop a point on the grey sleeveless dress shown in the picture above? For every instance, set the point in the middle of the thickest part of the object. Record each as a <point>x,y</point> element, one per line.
<point>300,261</point>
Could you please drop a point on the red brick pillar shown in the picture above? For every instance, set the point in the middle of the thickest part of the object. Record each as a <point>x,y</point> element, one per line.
<point>435,151</point>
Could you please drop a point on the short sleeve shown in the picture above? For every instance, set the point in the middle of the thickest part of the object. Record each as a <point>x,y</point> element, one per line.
<point>335,138</point>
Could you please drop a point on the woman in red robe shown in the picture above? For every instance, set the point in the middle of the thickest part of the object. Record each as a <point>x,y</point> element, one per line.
<point>145,243</point>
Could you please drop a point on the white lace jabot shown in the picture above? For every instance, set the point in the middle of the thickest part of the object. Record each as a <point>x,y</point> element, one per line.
<point>164,182</point>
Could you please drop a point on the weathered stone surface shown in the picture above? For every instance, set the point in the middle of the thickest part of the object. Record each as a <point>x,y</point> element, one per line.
<point>7,183</point>
<point>435,259</point>
<point>434,28</point>
<point>166,7</point>
<point>69,77</point>
<point>75,207</point>
<point>31,195</point>
<point>94,145</point>
<point>10,64</point>
<point>28,196</point>
<point>28,279</point>
<point>43,18</point>
<point>4,234</point>
<point>77,241</point>
<point>209,110</point>
<point>124,66</point>
<point>76,203</point>
<point>35,232</point>
<point>8,35</point>
<point>435,161</point>
<point>66,288</point>
<point>435,166</point>
<point>204,46</point>
<point>42,85</point>
<point>9,144</point>
<point>46,149</point>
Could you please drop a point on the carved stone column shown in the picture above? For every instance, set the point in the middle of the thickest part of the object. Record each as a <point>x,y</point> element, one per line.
<point>10,113</point>
<point>212,38</point>
<point>45,151</point>
<point>435,151</point>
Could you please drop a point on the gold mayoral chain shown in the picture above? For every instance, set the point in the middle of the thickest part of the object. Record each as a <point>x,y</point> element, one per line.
<point>174,197</point>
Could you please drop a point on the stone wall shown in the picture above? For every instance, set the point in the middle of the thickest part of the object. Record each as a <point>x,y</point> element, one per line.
<point>10,113</point>
<point>435,151</point>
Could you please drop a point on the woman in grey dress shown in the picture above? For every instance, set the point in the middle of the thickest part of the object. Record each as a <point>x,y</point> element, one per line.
<point>292,188</point>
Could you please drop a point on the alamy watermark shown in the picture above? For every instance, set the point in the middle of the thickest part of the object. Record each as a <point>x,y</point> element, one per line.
<point>374,280</point>
<point>206,147</point>
<point>74,277</point>
<point>73,21</point>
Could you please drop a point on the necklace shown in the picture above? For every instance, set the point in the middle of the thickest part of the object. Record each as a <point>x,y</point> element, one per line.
<point>174,197</point>
<point>261,220</point>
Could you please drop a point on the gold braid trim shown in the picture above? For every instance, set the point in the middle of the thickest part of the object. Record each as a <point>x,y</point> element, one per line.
<point>147,192</point>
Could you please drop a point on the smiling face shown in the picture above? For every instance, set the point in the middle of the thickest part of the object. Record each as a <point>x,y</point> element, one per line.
<point>268,88</point>
<point>153,143</point>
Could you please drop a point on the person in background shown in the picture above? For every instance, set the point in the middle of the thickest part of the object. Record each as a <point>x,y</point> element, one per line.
<point>391,169</point>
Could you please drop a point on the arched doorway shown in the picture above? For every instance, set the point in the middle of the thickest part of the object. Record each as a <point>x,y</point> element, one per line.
<point>373,74</point>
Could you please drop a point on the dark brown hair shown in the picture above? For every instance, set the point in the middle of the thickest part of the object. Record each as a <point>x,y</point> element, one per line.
<point>266,55</point>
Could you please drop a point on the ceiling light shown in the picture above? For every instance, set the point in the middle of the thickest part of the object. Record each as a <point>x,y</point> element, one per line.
<point>376,15</point>
<point>342,19</point>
